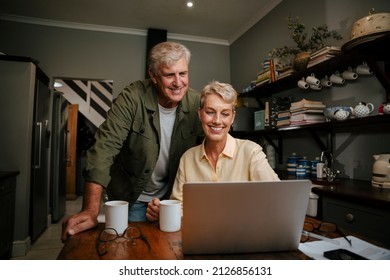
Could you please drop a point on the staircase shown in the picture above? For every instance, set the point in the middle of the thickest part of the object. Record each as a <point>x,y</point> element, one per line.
<point>94,97</point>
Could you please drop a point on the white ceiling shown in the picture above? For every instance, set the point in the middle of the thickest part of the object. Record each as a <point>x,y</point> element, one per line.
<point>219,20</point>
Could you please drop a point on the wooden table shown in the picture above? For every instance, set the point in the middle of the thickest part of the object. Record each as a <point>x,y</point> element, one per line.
<point>163,246</point>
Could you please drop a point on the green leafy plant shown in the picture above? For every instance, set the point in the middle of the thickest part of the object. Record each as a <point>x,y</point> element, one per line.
<point>304,42</point>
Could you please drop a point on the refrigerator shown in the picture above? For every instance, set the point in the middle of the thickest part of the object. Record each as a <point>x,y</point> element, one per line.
<point>25,142</point>
<point>58,156</point>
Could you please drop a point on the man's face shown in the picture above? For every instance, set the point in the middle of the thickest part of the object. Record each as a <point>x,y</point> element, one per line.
<point>171,83</point>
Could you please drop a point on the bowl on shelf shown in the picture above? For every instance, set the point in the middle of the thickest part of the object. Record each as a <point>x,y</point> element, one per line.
<point>338,113</point>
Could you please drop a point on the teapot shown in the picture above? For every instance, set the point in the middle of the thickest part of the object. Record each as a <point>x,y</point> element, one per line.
<point>363,109</point>
<point>381,168</point>
<point>341,114</point>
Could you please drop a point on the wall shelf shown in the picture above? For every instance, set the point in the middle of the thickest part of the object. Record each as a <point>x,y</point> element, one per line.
<point>373,53</point>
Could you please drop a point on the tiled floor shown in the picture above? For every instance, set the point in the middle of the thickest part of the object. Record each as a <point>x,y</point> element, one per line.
<point>49,244</point>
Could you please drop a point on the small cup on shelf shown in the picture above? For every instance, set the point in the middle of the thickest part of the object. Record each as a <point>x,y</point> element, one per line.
<point>337,79</point>
<point>325,82</point>
<point>349,74</point>
<point>302,84</point>
<point>363,69</point>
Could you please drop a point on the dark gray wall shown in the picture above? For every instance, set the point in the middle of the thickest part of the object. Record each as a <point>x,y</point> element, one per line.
<point>64,52</point>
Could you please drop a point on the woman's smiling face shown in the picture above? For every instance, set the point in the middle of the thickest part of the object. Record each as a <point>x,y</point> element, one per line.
<point>217,117</point>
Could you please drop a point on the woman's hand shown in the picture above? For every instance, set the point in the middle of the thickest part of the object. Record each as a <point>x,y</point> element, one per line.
<point>153,210</point>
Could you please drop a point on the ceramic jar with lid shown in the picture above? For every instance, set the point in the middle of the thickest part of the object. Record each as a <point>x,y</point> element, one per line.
<point>306,164</point>
<point>292,163</point>
<point>300,172</point>
<point>314,167</point>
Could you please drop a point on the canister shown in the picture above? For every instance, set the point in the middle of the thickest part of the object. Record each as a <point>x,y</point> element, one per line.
<point>313,205</point>
<point>292,164</point>
<point>314,163</point>
<point>305,163</point>
<point>300,171</point>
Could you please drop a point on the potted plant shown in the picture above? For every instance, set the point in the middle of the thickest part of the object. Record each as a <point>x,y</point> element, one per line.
<point>305,44</point>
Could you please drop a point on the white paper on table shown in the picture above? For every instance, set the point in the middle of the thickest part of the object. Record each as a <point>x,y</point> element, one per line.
<point>316,249</point>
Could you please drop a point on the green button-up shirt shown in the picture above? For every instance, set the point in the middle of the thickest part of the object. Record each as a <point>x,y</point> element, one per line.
<point>128,142</point>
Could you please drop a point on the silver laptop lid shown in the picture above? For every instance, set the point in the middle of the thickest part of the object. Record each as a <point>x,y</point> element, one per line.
<point>243,217</point>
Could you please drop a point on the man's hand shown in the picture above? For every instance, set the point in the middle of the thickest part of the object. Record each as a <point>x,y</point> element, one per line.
<point>87,217</point>
<point>79,222</point>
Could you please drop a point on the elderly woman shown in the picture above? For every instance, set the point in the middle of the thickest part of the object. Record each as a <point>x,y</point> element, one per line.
<point>220,157</point>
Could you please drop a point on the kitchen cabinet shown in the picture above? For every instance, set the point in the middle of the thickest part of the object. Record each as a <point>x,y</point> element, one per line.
<point>25,142</point>
<point>356,206</point>
<point>7,212</point>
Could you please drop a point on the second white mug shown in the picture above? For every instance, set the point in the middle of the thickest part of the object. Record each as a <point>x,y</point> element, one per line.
<point>325,82</point>
<point>116,216</point>
<point>337,79</point>
<point>349,74</point>
<point>302,84</point>
<point>363,69</point>
<point>170,215</point>
<point>316,87</point>
<point>312,80</point>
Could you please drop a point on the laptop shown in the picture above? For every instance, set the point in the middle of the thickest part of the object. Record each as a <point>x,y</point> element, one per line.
<point>243,217</point>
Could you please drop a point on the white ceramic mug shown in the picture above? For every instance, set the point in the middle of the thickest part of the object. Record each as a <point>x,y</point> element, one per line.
<point>170,215</point>
<point>337,79</point>
<point>363,69</point>
<point>316,87</point>
<point>302,84</point>
<point>312,80</point>
<point>349,74</point>
<point>116,216</point>
<point>325,82</point>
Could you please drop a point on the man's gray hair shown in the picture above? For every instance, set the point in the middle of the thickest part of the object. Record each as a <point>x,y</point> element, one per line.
<point>167,53</point>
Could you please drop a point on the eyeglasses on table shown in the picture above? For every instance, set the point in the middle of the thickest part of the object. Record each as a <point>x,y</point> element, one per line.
<point>322,227</point>
<point>107,235</point>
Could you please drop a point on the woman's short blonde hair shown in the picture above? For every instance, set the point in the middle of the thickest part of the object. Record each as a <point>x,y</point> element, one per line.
<point>226,91</point>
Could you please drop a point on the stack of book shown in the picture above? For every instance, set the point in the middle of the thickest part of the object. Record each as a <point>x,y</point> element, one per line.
<point>267,74</point>
<point>307,112</point>
<point>283,118</point>
<point>323,54</point>
<point>282,68</point>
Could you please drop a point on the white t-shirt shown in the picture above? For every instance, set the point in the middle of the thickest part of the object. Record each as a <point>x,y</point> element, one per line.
<point>157,185</point>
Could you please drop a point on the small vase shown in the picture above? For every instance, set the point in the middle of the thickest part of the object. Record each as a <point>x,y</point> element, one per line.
<point>301,60</point>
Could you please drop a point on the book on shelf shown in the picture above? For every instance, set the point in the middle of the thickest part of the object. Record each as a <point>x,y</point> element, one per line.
<point>282,123</point>
<point>284,113</point>
<point>333,50</point>
<point>323,54</point>
<point>319,59</point>
<point>314,109</point>
<point>307,111</point>
<point>307,104</point>
<point>284,73</point>
<point>304,122</point>
<point>307,117</point>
